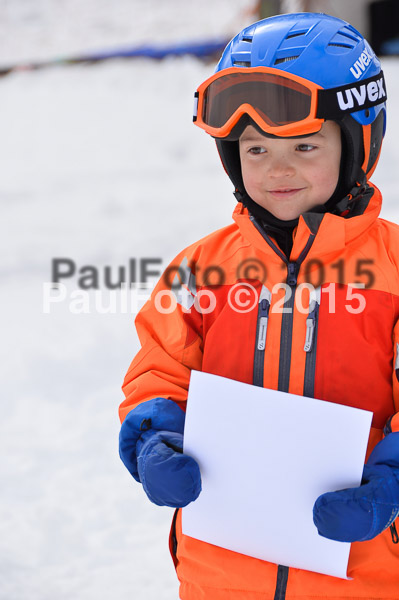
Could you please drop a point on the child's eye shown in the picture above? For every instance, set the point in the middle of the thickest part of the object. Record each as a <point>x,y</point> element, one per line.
<point>256,150</point>
<point>305,147</point>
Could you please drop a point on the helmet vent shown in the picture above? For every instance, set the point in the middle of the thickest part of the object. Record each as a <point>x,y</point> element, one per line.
<point>247,39</point>
<point>296,34</point>
<point>351,33</point>
<point>242,63</point>
<point>346,37</point>
<point>278,61</point>
<point>342,46</point>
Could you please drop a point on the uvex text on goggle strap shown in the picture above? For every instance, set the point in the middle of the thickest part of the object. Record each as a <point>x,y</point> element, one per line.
<point>279,102</point>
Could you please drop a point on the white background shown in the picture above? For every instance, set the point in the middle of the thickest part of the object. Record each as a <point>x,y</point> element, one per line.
<point>99,164</point>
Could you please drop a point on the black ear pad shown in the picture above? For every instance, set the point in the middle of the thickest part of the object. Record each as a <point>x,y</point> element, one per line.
<point>354,139</point>
<point>230,156</point>
<point>377,134</point>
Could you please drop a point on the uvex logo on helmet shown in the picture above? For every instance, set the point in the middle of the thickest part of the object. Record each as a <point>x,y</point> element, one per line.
<point>361,64</point>
<point>364,95</point>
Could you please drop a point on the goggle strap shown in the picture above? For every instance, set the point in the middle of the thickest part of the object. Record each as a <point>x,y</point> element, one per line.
<point>353,97</point>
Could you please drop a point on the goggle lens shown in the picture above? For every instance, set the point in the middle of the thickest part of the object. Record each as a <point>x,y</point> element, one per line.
<point>277,100</point>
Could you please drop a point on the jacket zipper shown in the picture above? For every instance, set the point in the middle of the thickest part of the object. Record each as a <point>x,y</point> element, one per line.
<point>288,314</point>
<point>261,333</point>
<point>311,344</point>
<point>286,329</point>
<point>281,583</point>
<point>288,318</point>
<point>285,353</point>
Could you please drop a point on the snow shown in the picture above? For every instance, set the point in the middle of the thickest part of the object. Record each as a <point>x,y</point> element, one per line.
<point>57,28</point>
<point>100,164</point>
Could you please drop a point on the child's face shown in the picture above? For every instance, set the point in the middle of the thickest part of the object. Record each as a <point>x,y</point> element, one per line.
<point>289,176</point>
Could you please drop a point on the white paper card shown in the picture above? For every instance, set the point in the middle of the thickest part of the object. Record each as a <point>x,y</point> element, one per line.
<point>265,456</point>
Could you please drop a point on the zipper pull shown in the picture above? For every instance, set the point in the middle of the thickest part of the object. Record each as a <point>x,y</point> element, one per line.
<point>311,321</point>
<point>262,333</point>
<point>292,273</point>
<point>263,315</point>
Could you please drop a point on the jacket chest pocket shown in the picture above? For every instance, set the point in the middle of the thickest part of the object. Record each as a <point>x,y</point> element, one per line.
<point>356,352</point>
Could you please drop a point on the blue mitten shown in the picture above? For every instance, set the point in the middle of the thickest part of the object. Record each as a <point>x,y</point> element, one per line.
<point>169,477</point>
<point>361,513</point>
<point>151,448</point>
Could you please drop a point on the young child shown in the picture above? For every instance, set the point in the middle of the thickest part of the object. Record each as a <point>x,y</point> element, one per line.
<point>297,108</point>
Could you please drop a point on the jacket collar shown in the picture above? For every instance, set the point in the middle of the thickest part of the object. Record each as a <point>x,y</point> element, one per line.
<point>333,232</point>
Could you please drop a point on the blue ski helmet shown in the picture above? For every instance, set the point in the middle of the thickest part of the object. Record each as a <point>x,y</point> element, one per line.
<point>331,53</point>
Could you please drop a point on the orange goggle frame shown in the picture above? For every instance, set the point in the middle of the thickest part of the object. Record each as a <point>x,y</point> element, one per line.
<point>280,103</point>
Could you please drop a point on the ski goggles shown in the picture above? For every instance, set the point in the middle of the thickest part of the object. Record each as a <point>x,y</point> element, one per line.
<point>280,103</point>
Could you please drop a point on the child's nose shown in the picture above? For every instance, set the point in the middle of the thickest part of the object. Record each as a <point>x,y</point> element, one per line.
<point>281,166</point>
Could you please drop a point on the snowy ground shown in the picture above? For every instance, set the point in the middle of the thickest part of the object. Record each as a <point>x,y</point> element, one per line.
<point>99,165</point>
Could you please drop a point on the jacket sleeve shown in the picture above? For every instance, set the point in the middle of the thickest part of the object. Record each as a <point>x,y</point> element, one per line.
<point>392,424</point>
<point>170,332</point>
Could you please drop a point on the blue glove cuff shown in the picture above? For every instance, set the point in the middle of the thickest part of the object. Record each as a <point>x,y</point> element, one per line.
<point>386,452</point>
<point>157,414</point>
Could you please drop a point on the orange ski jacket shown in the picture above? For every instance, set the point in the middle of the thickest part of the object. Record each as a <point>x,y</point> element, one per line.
<point>219,308</point>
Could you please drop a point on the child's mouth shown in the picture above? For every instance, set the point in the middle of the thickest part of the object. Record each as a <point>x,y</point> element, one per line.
<point>285,192</point>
